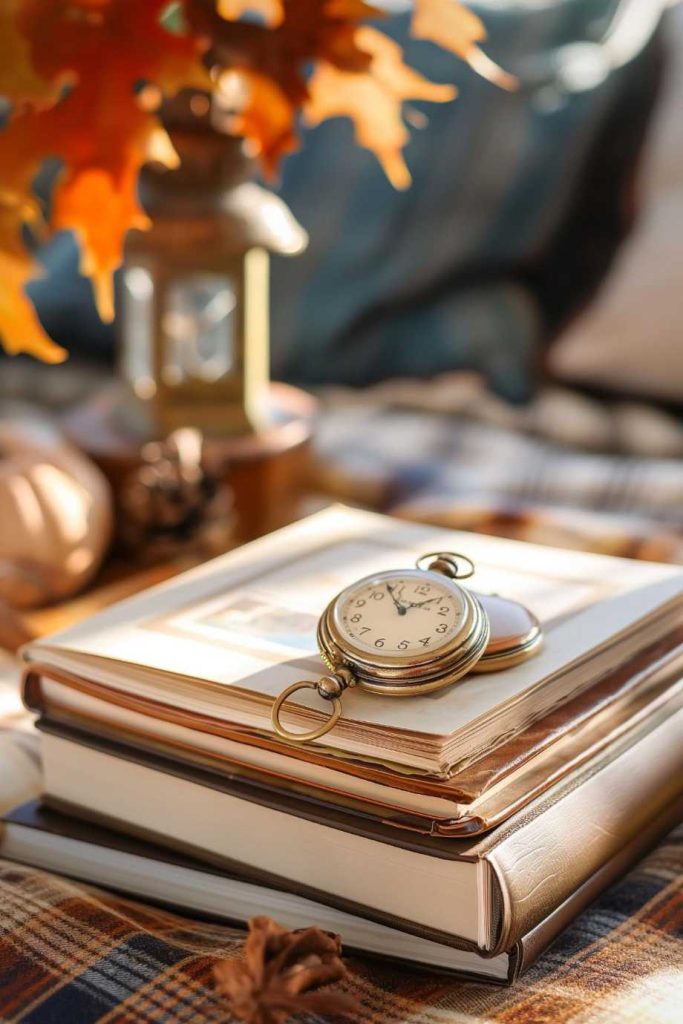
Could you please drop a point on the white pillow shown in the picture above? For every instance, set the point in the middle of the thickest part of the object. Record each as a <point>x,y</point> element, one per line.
<point>631,337</point>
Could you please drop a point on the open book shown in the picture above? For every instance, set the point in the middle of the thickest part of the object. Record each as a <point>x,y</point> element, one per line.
<point>221,642</point>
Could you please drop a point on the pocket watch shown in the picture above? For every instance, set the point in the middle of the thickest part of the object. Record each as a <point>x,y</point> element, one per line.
<point>402,633</point>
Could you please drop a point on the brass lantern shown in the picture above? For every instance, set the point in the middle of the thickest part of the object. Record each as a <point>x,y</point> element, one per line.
<point>194,288</point>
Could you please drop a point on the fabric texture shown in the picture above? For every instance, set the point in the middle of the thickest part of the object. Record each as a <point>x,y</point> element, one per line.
<point>566,470</point>
<point>70,954</point>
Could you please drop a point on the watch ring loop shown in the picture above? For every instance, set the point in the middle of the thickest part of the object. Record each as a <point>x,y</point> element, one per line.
<point>449,564</point>
<point>313,734</point>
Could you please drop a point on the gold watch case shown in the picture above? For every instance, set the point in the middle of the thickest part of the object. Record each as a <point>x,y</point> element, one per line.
<point>406,675</point>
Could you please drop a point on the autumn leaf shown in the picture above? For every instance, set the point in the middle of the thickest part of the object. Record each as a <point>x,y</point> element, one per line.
<point>373,100</point>
<point>353,10</point>
<point>121,58</point>
<point>99,129</point>
<point>272,65</point>
<point>20,328</point>
<point>451,25</point>
<point>357,72</point>
<point>266,117</point>
<point>99,208</point>
<point>19,81</point>
<point>96,201</point>
<point>272,11</point>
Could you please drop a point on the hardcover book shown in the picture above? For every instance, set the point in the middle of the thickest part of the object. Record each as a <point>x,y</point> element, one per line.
<point>474,799</point>
<point>35,835</point>
<point>482,893</point>
<point>219,643</point>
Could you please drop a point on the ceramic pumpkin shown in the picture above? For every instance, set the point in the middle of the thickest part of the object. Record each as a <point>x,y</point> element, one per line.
<point>55,512</point>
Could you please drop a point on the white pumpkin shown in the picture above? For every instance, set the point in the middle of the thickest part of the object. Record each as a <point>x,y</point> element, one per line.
<point>55,512</point>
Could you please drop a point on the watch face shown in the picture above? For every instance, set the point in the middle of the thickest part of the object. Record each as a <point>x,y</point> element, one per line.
<point>402,614</point>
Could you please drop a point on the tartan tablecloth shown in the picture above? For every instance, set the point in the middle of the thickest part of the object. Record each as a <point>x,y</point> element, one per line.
<point>564,470</point>
<point>70,954</point>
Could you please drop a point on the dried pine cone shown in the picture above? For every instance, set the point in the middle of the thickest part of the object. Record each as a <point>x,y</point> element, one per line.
<point>281,974</point>
<point>174,499</point>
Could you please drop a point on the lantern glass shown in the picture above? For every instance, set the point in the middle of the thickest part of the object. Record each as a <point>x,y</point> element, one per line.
<point>138,327</point>
<point>198,324</point>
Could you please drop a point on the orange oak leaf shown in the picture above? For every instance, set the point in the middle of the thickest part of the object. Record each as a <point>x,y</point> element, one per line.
<point>95,195</point>
<point>19,81</point>
<point>353,10</point>
<point>273,64</point>
<point>20,328</point>
<point>99,208</point>
<point>272,11</point>
<point>451,25</point>
<point>266,116</point>
<point>119,58</point>
<point>373,99</point>
<point>99,128</point>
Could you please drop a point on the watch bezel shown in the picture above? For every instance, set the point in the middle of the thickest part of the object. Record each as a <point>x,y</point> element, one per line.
<point>406,674</point>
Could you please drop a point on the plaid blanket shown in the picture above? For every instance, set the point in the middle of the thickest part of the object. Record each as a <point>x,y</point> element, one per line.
<point>70,954</point>
<point>566,470</point>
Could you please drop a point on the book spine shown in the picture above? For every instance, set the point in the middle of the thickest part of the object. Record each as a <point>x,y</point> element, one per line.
<point>550,853</point>
<point>532,945</point>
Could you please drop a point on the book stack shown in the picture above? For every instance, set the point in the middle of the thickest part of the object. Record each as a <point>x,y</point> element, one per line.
<point>460,830</point>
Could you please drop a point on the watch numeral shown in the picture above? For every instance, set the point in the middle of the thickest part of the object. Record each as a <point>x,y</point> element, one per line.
<point>423,589</point>
<point>443,609</point>
<point>425,640</point>
<point>441,628</point>
<point>402,645</point>
<point>377,595</point>
<point>360,602</point>
<point>364,629</point>
<point>356,618</point>
<point>380,642</point>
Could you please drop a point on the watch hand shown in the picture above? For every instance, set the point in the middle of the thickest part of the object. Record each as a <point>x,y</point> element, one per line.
<point>399,607</point>
<point>419,604</point>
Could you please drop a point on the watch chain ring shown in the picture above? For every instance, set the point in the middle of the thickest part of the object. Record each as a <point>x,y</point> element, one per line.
<point>312,734</point>
<point>446,560</point>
